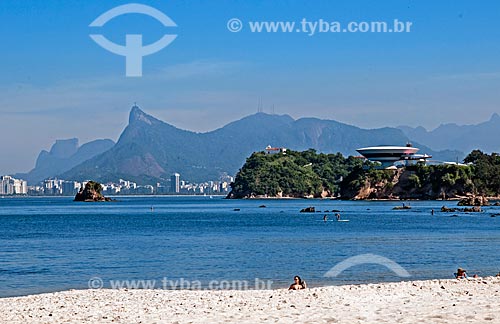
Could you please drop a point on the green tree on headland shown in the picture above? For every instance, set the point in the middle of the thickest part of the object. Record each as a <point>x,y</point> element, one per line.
<point>486,171</point>
<point>443,180</point>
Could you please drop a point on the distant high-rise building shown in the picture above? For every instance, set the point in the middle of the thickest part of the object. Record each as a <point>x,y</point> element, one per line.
<point>6,185</point>
<point>70,188</point>
<point>11,186</point>
<point>52,187</point>
<point>175,183</point>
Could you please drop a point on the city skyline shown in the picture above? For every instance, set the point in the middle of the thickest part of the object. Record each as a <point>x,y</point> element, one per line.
<point>65,187</point>
<point>58,82</point>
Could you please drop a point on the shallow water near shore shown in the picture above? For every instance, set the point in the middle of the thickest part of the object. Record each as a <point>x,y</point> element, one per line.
<point>52,244</point>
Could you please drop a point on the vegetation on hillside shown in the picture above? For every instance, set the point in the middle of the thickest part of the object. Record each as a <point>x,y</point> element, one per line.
<point>486,172</point>
<point>294,174</point>
<point>309,174</point>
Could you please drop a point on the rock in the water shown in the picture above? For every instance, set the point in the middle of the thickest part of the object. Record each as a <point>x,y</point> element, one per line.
<point>308,210</point>
<point>474,201</point>
<point>91,192</point>
<point>473,209</point>
<point>445,209</point>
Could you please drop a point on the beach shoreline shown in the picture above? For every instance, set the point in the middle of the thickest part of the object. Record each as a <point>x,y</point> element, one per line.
<point>474,300</point>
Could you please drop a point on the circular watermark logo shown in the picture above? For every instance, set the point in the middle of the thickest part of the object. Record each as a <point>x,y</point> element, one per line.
<point>133,50</point>
<point>367,259</point>
<point>95,283</point>
<point>234,25</point>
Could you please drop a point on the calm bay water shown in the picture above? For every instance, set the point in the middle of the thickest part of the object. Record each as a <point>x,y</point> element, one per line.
<point>52,244</point>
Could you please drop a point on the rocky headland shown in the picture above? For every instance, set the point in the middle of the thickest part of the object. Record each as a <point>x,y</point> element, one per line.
<point>311,175</point>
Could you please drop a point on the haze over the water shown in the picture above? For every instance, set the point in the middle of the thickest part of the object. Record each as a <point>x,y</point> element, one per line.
<point>56,82</point>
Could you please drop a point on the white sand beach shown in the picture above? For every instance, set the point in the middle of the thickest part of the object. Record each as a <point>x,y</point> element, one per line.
<point>432,301</point>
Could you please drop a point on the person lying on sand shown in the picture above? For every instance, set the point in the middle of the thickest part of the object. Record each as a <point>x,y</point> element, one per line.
<point>461,274</point>
<point>298,284</point>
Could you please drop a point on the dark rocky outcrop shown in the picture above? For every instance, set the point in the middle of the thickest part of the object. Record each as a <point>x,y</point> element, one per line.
<point>474,209</point>
<point>91,193</point>
<point>308,210</point>
<point>473,201</point>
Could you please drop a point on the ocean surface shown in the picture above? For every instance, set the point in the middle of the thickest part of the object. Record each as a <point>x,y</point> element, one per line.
<point>53,244</point>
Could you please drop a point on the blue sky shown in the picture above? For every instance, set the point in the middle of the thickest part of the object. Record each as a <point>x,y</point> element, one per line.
<point>57,83</point>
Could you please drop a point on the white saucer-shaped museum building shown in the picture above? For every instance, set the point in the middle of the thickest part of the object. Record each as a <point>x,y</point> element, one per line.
<point>389,155</point>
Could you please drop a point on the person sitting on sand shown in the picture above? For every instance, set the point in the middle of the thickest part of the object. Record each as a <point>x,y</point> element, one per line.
<point>461,274</point>
<point>298,284</point>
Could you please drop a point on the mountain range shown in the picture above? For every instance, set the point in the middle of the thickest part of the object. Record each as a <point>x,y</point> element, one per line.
<point>63,156</point>
<point>464,138</point>
<point>150,150</point>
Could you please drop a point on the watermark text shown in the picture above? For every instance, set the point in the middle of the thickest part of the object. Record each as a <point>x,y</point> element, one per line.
<point>314,27</point>
<point>181,283</point>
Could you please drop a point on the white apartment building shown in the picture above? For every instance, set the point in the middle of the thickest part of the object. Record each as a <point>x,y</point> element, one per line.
<point>11,186</point>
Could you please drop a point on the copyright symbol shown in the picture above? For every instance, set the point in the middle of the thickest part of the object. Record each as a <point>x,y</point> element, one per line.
<point>95,283</point>
<point>234,25</point>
